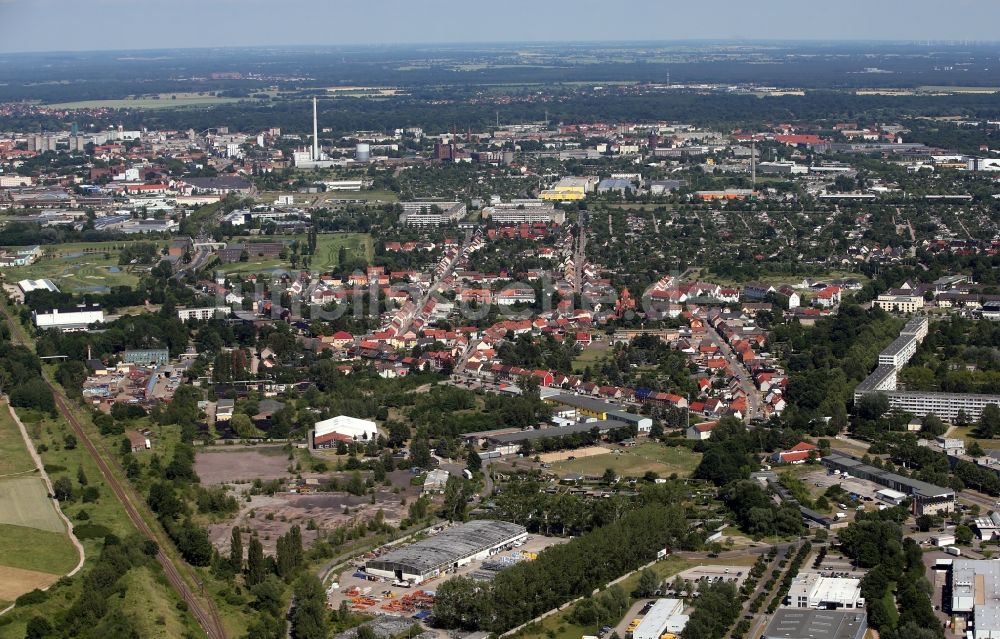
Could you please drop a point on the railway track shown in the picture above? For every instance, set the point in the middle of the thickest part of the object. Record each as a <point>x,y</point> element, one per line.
<point>204,612</point>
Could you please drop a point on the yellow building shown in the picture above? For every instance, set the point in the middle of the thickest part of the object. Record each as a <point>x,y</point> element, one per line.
<point>563,193</point>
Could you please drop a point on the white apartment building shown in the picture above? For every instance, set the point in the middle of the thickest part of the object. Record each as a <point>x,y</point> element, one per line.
<point>206,313</point>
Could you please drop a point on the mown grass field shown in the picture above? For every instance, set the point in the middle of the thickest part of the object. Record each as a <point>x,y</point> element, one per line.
<point>14,458</point>
<point>33,549</point>
<point>590,356</point>
<point>634,462</point>
<point>24,501</point>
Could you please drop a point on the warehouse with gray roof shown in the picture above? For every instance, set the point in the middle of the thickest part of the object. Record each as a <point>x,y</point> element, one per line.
<point>449,549</point>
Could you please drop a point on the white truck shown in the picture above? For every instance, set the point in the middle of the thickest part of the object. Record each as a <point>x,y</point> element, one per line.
<point>953,550</point>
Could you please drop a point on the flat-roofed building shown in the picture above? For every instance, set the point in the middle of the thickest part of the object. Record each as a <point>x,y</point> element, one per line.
<point>431,213</point>
<point>928,499</point>
<point>588,407</point>
<point>796,623</point>
<point>812,590</point>
<point>447,550</point>
<point>69,319</point>
<point>146,356</point>
<point>899,351</point>
<point>975,596</point>
<point>204,313</point>
<point>664,617</point>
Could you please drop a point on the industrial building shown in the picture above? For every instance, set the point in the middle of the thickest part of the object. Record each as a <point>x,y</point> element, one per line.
<point>28,286</point>
<point>146,356</point>
<point>510,443</point>
<point>663,618</point>
<point>588,407</point>
<point>447,550</point>
<point>975,595</point>
<point>812,590</point>
<point>69,319</point>
<point>795,623</point>
<point>343,428</point>
<point>928,499</point>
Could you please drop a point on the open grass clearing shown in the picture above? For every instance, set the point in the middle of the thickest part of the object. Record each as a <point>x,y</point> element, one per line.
<point>83,270</point>
<point>590,356</point>
<point>634,462</point>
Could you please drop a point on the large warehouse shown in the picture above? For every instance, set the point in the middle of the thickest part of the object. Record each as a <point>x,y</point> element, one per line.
<point>454,547</point>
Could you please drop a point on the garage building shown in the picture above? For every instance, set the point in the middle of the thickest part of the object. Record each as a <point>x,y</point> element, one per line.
<point>452,548</point>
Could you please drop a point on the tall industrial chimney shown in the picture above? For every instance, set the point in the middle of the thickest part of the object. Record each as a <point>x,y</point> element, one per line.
<point>315,134</point>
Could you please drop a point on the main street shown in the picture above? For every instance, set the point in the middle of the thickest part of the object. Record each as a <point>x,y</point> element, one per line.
<point>754,400</point>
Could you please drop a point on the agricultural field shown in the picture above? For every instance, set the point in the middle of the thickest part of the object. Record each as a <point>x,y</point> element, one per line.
<point>634,462</point>
<point>154,101</point>
<point>82,267</point>
<point>35,549</point>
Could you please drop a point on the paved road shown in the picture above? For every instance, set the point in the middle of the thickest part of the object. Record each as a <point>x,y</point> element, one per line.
<point>203,611</point>
<point>746,382</point>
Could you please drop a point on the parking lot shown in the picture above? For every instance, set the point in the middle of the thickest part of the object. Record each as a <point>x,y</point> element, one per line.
<point>379,596</point>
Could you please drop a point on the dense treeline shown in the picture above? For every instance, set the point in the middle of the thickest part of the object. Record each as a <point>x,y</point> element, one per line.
<point>826,361</point>
<point>92,615</point>
<point>21,376</point>
<point>560,573</point>
<point>524,501</point>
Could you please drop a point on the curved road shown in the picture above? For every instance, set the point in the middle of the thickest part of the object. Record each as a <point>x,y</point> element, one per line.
<point>204,612</point>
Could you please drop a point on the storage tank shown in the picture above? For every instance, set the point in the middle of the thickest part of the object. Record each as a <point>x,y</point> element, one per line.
<point>363,152</point>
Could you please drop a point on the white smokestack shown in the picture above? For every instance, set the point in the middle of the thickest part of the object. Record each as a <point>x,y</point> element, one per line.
<point>315,134</point>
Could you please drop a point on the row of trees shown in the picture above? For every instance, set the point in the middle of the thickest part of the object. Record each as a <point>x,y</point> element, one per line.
<point>560,573</point>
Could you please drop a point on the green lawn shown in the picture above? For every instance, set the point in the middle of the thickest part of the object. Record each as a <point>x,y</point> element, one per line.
<point>34,549</point>
<point>635,462</point>
<point>590,355</point>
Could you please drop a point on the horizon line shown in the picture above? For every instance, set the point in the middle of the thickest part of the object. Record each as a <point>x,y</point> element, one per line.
<point>950,42</point>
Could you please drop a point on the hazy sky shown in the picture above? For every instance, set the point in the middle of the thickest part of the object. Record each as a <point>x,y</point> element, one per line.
<point>54,25</point>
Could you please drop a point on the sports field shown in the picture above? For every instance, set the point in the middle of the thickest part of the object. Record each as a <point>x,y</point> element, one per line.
<point>634,462</point>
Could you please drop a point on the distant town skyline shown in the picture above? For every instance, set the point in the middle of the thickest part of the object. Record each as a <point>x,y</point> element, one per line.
<point>71,25</point>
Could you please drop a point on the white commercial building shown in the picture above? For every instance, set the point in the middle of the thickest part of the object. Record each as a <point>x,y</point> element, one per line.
<point>69,319</point>
<point>664,617</point>
<point>891,496</point>
<point>352,427</point>
<point>975,595</point>
<point>27,286</point>
<point>812,590</point>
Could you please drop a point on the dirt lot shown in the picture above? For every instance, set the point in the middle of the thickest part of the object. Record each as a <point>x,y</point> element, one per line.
<point>383,592</point>
<point>579,453</point>
<point>273,516</point>
<point>237,465</point>
<point>14,582</point>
